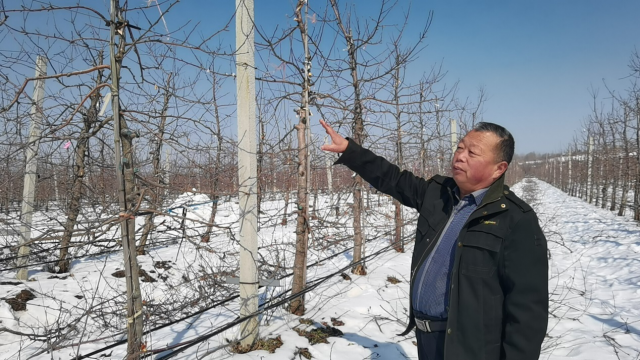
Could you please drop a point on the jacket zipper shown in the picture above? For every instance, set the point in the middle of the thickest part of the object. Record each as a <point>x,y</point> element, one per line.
<point>425,252</point>
<point>420,263</point>
<point>479,207</point>
<point>437,237</point>
<point>435,240</point>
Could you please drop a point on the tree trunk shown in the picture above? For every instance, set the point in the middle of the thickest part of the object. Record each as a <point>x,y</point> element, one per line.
<point>614,186</point>
<point>627,170</point>
<point>286,204</point>
<point>156,162</point>
<point>397,239</point>
<point>423,145</point>
<point>215,197</point>
<point>126,185</point>
<point>297,305</point>
<point>299,268</point>
<point>77,186</point>
<point>260,158</point>
<point>359,267</point>
<point>89,119</point>
<point>636,193</point>
<point>617,178</point>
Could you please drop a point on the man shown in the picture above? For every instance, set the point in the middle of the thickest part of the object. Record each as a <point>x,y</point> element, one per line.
<point>479,268</point>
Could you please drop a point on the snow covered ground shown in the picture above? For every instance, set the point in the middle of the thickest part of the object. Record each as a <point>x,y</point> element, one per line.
<point>595,278</point>
<point>594,281</point>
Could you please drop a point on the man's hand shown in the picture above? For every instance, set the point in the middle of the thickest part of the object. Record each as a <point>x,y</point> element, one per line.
<point>338,143</point>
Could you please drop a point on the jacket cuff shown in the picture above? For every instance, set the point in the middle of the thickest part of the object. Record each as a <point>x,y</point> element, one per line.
<point>350,153</point>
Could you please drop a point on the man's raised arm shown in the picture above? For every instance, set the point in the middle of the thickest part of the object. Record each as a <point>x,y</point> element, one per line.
<point>376,170</point>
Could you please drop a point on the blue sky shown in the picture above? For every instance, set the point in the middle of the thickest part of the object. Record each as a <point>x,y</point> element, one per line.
<point>536,59</point>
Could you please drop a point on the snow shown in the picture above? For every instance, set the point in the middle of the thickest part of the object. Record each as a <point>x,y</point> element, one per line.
<point>594,279</point>
<point>594,284</point>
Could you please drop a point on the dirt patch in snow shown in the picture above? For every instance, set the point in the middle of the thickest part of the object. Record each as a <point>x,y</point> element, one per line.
<point>19,302</point>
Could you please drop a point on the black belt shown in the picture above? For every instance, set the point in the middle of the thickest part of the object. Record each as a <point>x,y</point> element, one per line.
<point>431,325</point>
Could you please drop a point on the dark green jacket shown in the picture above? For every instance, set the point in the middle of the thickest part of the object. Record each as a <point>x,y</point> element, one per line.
<point>498,305</point>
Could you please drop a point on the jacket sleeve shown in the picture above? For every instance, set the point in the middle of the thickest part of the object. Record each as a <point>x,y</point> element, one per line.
<point>385,176</point>
<point>526,291</point>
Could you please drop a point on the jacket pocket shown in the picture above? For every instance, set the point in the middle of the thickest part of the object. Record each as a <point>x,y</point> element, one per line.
<point>479,253</point>
<point>425,232</point>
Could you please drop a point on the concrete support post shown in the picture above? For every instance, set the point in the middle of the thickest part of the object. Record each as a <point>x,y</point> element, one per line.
<point>247,168</point>
<point>31,168</point>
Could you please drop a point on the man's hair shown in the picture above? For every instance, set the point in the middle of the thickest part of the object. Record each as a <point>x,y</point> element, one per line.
<point>506,144</point>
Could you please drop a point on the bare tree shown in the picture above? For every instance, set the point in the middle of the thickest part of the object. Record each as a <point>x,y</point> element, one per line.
<point>217,165</point>
<point>397,241</point>
<point>358,138</point>
<point>302,226</point>
<point>635,100</point>
<point>128,199</point>
<point>90,127</point>
<point>616,158</point>
<point>157,170</point>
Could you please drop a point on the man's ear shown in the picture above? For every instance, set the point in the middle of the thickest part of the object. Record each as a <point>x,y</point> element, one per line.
<point>501,167</point>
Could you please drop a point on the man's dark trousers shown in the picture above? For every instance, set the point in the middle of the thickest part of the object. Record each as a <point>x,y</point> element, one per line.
<point>430,345</point>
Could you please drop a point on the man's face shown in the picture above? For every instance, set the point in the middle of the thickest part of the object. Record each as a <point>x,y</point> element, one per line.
<point>475,164</point>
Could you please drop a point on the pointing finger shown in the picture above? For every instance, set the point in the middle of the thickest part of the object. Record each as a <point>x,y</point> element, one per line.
<point>326,126</point>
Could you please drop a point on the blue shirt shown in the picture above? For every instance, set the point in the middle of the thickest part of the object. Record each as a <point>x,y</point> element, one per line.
<point>430,290</point>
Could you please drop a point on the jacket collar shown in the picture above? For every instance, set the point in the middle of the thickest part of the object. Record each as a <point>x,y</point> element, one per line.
<point>494,192</point>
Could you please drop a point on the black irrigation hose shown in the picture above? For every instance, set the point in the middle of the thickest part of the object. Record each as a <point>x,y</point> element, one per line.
<point>222,302</point>
<point>79,257</point>
<point>75,257</point>
<point>190,343</point>
<point>313,285</point>
<point>310,286</point>
<point>34,253</point>
<point>215,304</point>
<point>13,247</point>
<point>98,240</point>
<point>71,245</point>
<point>155,244</point>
